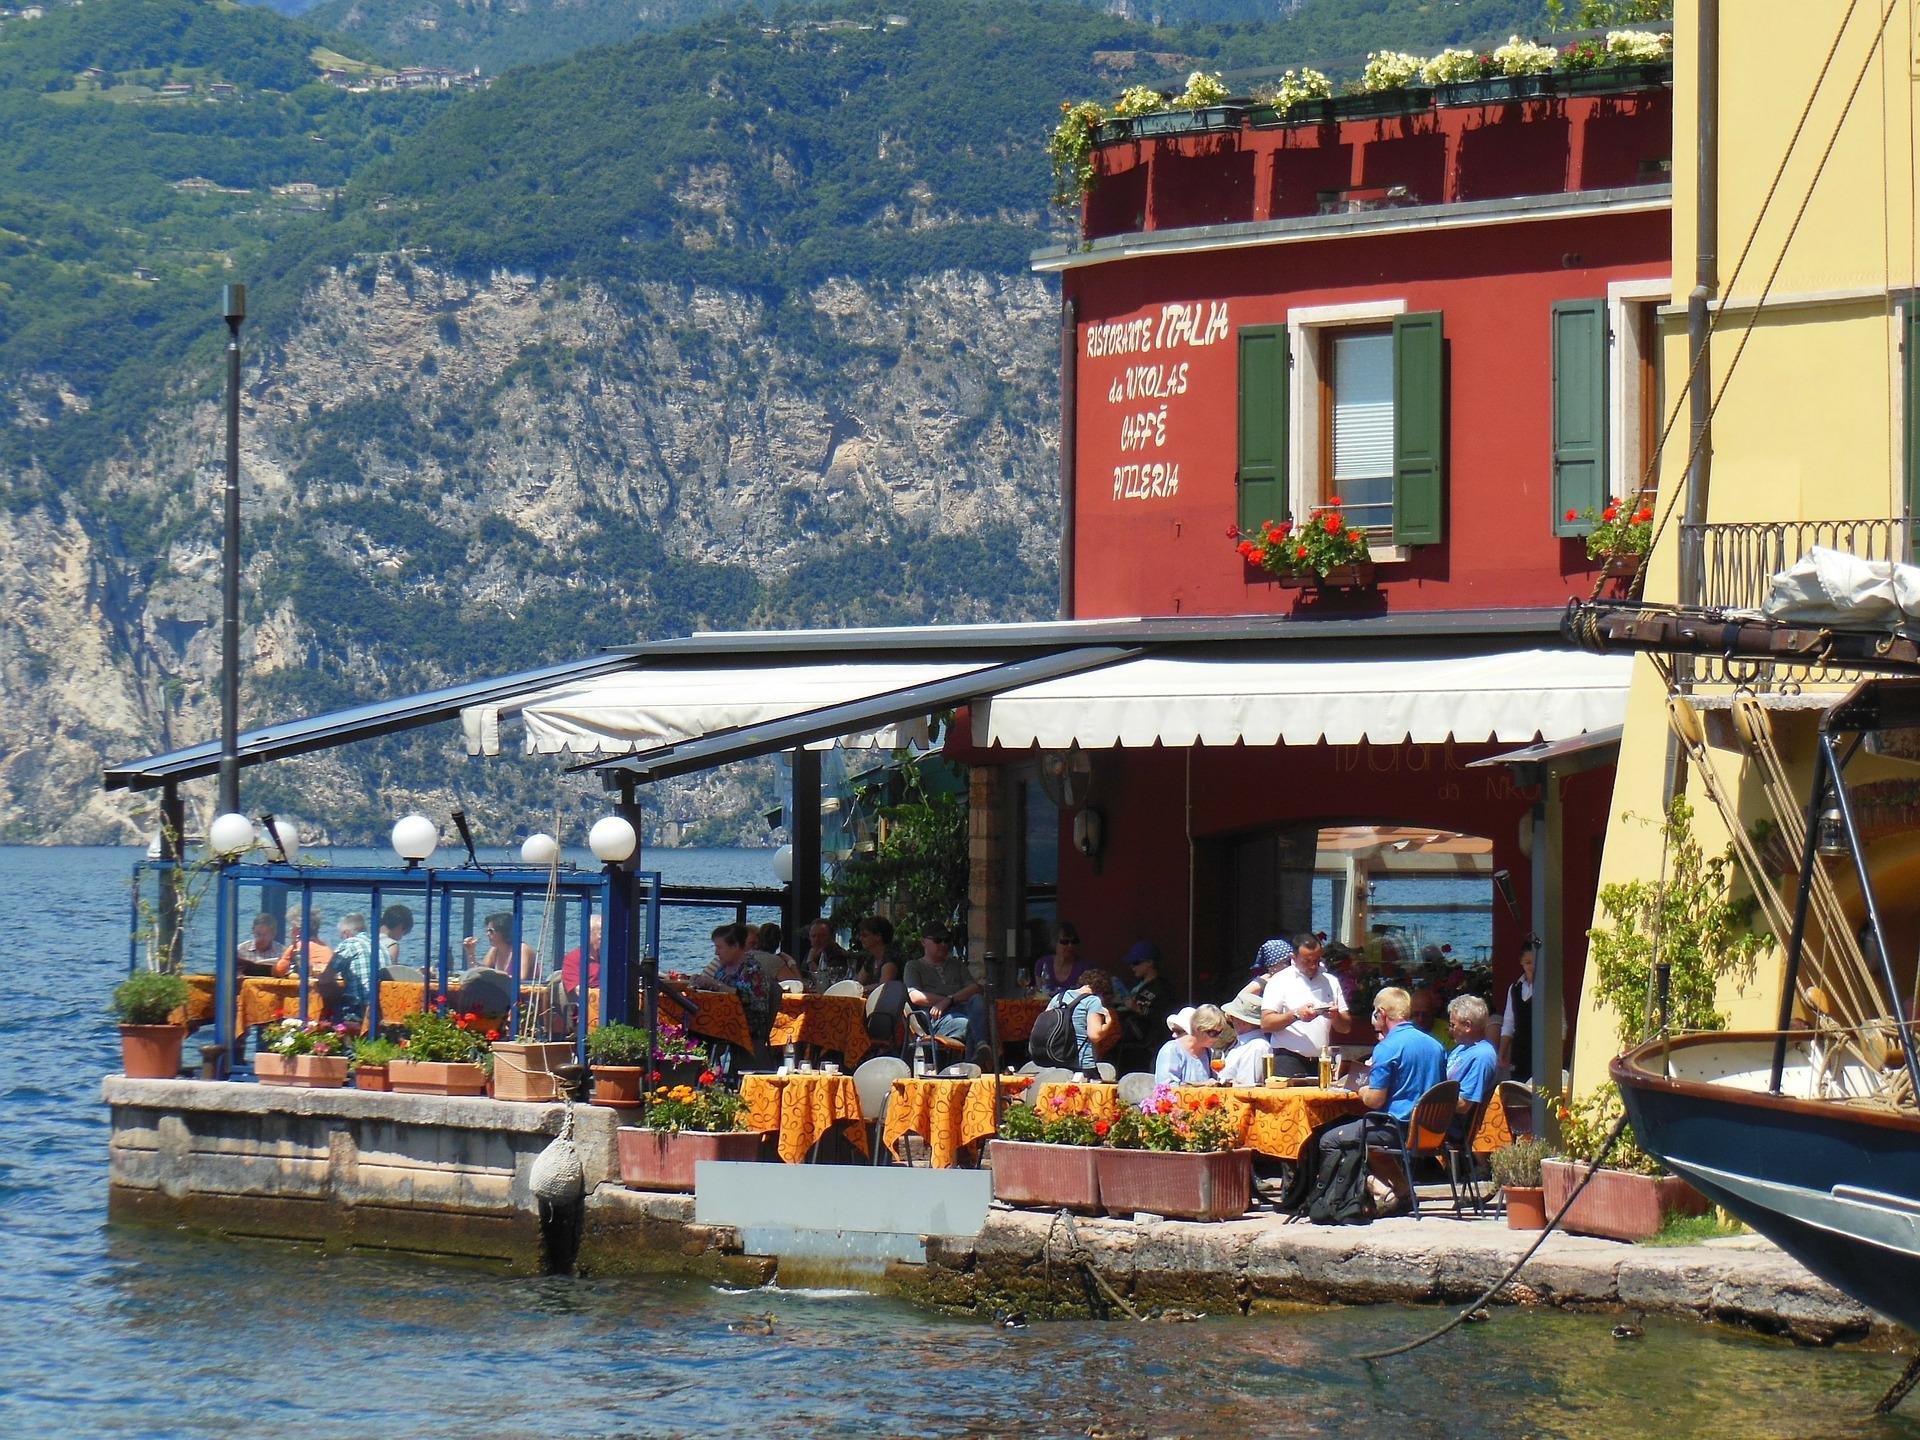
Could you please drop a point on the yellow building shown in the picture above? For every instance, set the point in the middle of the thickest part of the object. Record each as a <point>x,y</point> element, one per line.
<point>1816,423</point>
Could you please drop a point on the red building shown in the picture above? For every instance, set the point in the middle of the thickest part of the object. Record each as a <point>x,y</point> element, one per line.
<point>1443,317</point>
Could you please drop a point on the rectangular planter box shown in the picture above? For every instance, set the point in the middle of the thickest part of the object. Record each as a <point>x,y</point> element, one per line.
<point>1357,576</point>
<point>522,1069</point>
<point>1494,90</point>
<point>1380,104</point>
<point>664,1160</point>
<point>1164,124</point>
<point>1614,79</point>
<point>1053,1177</point>
<point>371,1077</point>
<point>1301,112</point>
<point>1216,1186</point>
<point>435,1077</point>
<point>1617,1205</point>
<point>307,1072</point>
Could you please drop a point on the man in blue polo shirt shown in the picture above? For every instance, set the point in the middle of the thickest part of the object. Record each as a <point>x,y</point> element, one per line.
<point>1406,1064</point>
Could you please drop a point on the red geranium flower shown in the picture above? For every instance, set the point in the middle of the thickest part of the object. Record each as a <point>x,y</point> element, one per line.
<point>707,1077</point>
<point>656,1075</point>
<point>1285,527</point>
<point>1233,532</point>
<point>1072,1090</point>
<point>1353,535</point>
<point>1165,1107</point>
<point>1213,1102</point>
<point>492,1035</point>
<point>1644,516</point>
<point>1332,522</point>
<point>1334,500</point>
<point>1609,514</point>
<point>1573,514</point>
<point>469,1017</point>
<point>1301,552</point>
<point>1100,1127</point>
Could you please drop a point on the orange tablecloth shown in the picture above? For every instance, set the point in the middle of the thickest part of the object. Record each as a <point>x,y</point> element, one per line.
<point>950,1115</point>
<point>199,1007</point>
<point>262,996</point>
<point>721,1016</point>
<point>1276,1120</point>
<point>1016,1017</point>
<point>803,1109</point>
<point>1095,1099</point>
<point>1494,1132</point>
<point>834,1023</point>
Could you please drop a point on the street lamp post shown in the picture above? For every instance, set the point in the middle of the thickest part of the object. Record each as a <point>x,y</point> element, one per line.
<point>234,303</point>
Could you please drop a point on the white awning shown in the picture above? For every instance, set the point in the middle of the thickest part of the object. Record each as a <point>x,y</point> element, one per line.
<point>665,704</point>
<point>1514,696</point>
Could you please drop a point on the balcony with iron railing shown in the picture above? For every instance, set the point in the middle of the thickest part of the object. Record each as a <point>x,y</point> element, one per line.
<point>1737,563</point>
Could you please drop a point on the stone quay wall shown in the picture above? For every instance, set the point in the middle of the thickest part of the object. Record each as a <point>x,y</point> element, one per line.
<point>448,1176</point>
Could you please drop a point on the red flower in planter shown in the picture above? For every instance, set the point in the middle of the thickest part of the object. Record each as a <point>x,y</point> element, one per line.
<point>1073,1090</point>
<point>656,1075</point>
<point>707,1077</point>
<point>1233,532</point>
<point>492,1035</point>
<point>1165,1107</point>
<point>1644,515</point>
<point>1573,514</point>
<point>1332,522</point>
<point>1333,500</point>
<point>1101,1127</point>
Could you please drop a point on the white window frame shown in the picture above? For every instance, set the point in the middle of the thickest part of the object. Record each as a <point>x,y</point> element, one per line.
<point>1305,443</point>
<point>1627,448</point>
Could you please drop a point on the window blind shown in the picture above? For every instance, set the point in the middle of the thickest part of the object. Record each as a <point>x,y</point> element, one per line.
<point>1362,407</point>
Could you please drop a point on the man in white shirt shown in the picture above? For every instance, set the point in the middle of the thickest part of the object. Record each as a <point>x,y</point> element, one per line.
<point>1301,1010</point>
<point>1246,1062</point>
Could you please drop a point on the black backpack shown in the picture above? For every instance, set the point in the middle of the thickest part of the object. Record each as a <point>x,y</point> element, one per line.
<point>1333,1192</point>
<point>1052,1041</point>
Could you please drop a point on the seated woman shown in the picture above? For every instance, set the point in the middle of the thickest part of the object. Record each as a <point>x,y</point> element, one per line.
<point>1061,968</point>
<point>878,961</point>
<point>1187,1058</point>
<point>499,952</point>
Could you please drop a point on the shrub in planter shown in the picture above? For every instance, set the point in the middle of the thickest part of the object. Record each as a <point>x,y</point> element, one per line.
<point>446,1052</point>
<point>1051,1163</point>
<point>618,1055</point>
<point>1516,1170</point>
<point>1631,1196</point>
<point>685,1125</point>
<point>370,1061</point>
<point>1312,550</point>
<point>311,1054</point>
<point>144,1004</point>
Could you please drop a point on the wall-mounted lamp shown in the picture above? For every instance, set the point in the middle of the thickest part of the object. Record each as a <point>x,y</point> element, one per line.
<point>230,835</point>
<point>612,840</point>
<point>415,837</point>
<point>1831,840</point>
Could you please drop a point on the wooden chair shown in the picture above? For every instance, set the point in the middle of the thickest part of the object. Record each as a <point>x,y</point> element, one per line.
<point>1460,1171</point>
<point>873,1083</point>
<point>1425,1136</point>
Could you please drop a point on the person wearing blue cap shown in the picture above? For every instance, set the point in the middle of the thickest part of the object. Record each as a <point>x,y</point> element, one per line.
<point>1274,956</point>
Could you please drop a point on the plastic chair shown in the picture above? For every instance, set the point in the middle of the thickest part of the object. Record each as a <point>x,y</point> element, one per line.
<point>873,1083</point>
<point>1426,1135</point>
<point>1135,1087</point>
<point>1516,1103</point>
<point>1051,1075</point>
<point>1106,1072</point>
<point>844,987</point>
<point>794,987</point>
<point>961,1070</point>
<point>1030,1068</point>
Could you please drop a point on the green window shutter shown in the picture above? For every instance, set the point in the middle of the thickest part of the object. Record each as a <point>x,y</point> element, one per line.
<point>1579,412</point>
<point>1419,428</point>
<point>1262,475</point>
<point>1910,391</point>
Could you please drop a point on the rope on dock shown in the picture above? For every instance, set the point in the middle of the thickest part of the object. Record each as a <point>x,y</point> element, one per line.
<point>1494,1289</point>
<point>1077,1254</point>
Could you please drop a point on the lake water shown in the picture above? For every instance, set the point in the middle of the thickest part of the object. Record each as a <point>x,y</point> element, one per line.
<point>129,1331</point>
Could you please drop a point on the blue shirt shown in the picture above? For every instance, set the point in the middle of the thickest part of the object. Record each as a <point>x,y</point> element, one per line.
<point>1473,1066</point>
<point>1407,1064</point>
<point>1177,1065</point>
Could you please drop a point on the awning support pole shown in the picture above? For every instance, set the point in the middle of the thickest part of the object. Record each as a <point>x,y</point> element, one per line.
<point>803,824</point>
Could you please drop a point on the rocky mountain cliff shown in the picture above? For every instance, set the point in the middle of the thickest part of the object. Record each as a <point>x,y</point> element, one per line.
<point>554,468</point>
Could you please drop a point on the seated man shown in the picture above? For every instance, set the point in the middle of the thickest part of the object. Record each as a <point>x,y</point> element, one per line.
<point>355,950</point>
<point>331,983</point>
<point>1406,1064</point>
<point>396,923</point>
<point>1473,1060</point>
<point>256,957</point>
<point>825,961</point>
<point>951,1004</point>
<point>1247,1058</point>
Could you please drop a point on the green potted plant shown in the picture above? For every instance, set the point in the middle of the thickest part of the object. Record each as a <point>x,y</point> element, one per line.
<point>1048,1159</point>
<point>370,1061</point>
<point>1631,1196</point>
<point>1302,97</point>
<point>1175,1156</point>
<point>685,1125</point>
<point>150,1039</point>
<point>1393,83</point>
<point>446,1052</point>
<point>1516,1170</point>
<point>1619,535</point>
<point>618,1057</point>
<point>308,1054</point>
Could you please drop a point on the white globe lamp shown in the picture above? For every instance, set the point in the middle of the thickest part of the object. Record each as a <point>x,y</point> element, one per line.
<point>230,835</point>
<point>415,837</point>
<point>783,864</point>
<point>287,834</point>
<point>539,850</point>
<point>612,840</point>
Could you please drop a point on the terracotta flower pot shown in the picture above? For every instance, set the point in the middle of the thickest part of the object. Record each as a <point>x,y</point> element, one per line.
<point>664,1159</point>
<point>1051,1176</point>
<point>436,1077</point>
<point>617,1086</point>
<point>305,1072</point>
<point>523,1069</point>
<point>1526,1207</point>
<point>1177,1184</point>
<point>151,1052</point>
<point>371,1077</point>
<point>1617,1205</point>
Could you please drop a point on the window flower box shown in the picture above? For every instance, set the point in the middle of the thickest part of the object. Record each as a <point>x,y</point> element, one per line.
<point>1301,112</point>
<point>436,1077</point>
<point>1180,1184</point>
<point>1167,124</point>
<point>664,1159</point>
<point>1494,90</point>
<point>1052,1177</point>
<point>1618,1205</point>
<point>1357,576</point>
<point>1381,104</point>
<point>305,1072</point>
<point>1614,79</point>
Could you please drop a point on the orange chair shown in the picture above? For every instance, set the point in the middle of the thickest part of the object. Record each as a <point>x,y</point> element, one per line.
<point>1425,1136</point>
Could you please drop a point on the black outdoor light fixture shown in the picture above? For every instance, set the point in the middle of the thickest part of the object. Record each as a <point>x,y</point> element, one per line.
<point>233,300</point>
<point>459,818</point>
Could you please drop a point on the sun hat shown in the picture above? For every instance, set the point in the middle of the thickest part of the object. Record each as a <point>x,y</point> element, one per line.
<point>1242,1008</point>
<point>1272,956</point>
<point>1181,1021</point>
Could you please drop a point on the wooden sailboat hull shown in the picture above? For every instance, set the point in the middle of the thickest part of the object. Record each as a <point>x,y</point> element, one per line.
<point>1835,1185</point>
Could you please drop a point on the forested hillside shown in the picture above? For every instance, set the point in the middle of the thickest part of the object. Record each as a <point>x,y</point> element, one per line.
<point>730,326</point>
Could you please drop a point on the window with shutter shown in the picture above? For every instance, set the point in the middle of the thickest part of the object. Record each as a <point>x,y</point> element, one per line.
<point>1580,418</point>
<point>1360,425</point>
<point>1262,477</point>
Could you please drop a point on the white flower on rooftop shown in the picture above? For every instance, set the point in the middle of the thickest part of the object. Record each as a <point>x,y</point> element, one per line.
<point>1451,65</point>
<point>1523,57</point>
<point>1638,47</point>
<point>1390,70</point>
